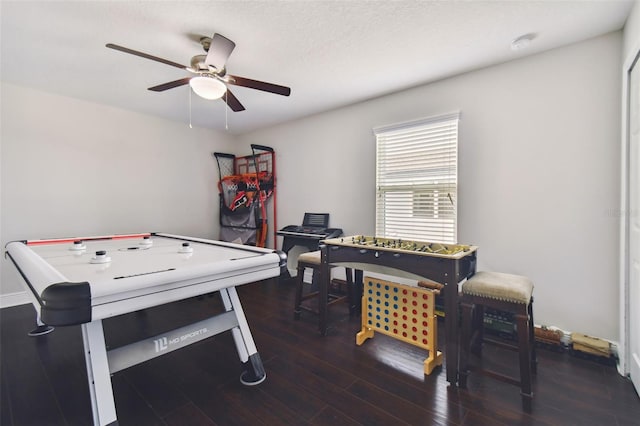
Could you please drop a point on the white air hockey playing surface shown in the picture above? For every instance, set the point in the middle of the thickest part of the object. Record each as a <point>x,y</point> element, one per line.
<point>135,274</point>
<point>84,280</point>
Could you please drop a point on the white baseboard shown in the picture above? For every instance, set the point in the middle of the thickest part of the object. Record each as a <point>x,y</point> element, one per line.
<point>13,299</point>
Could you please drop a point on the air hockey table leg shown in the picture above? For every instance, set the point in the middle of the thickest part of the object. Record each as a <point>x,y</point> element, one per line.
<point>253,373</point>
<point>95,354</point>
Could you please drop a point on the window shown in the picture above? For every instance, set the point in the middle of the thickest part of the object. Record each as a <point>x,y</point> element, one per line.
<point>416,179</point>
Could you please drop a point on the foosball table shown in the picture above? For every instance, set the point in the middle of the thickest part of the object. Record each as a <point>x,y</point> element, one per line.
<point>446,264</point>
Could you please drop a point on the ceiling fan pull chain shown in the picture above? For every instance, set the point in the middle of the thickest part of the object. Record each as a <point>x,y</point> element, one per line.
<point>190,126</point>
<point>226,111</point>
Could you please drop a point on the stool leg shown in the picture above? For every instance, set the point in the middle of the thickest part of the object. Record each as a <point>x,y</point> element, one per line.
<point>532,338</point>
<point>465,337</point>
<point>477,330</point>
<point>524,345</point>
<point>299,286</point>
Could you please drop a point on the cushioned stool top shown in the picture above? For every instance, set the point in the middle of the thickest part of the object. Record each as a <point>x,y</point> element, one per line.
<point>500,286</point>
<point>310,257</point>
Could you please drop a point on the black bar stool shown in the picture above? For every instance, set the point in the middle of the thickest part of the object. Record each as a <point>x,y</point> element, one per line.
<point>312,260</point>
<point>506,293</point>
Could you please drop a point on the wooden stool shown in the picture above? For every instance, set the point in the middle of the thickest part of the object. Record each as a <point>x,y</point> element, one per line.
<point>507,293</point>
<point>312,260</point>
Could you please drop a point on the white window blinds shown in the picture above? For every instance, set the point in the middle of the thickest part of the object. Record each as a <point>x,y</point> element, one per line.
<point>416,179</point>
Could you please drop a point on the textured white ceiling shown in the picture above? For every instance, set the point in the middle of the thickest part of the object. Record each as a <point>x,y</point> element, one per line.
<point>331,53</point>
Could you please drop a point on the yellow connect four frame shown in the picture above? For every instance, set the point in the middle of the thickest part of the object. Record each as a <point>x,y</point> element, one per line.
<point>403,312</point>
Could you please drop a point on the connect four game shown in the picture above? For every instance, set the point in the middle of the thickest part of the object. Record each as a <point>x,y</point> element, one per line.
<point>403,312</point>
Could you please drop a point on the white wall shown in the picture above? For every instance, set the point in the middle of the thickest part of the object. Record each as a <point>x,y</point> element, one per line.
<point>631,39</point>
<point>74,168</point>
<point>540,129</point>
<point>538,172</point>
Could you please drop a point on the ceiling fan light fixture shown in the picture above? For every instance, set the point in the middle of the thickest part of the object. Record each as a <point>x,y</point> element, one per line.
<point>208,87</point>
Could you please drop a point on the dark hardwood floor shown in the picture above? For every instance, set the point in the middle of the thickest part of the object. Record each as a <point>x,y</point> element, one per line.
<point>310,379</point>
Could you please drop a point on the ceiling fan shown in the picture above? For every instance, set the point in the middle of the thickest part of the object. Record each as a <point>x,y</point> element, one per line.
<point>211,79</point>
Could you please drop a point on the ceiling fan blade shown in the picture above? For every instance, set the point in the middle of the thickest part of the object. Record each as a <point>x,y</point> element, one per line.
<point>232,101</point>
<point>259,85</point>
<point>145,55</point>
<point>219,51</point>
<point>170,85</point>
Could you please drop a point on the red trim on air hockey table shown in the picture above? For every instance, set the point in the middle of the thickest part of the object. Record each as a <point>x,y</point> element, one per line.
<point>71,240</point>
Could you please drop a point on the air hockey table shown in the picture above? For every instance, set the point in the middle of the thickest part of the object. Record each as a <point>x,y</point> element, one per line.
<point>84,280</point>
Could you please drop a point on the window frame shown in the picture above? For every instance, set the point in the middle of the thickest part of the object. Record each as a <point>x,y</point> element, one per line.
<point>417,179</point>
